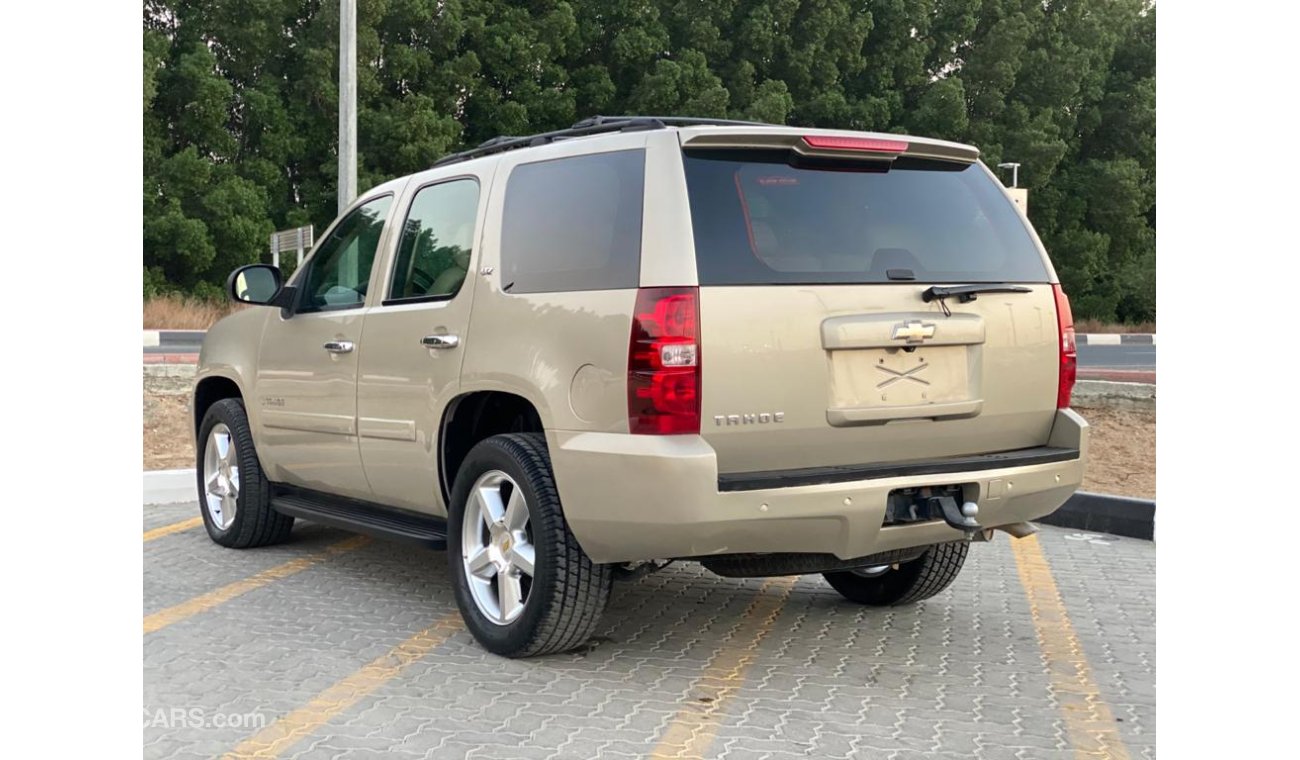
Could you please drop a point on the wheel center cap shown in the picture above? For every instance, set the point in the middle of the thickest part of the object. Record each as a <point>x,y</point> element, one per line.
<point>505,543</point>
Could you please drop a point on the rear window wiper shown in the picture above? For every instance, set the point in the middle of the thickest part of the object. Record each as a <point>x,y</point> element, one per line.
<point>968,293</point>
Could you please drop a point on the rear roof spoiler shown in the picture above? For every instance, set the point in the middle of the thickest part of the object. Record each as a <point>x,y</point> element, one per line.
<point>728,133</point>
<point>828,144</point>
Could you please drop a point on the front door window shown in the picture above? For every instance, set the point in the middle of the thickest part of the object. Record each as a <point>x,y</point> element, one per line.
<point>338,274</point>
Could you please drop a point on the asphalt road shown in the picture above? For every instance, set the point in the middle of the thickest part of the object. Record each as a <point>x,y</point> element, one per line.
<point>185,348</point>
<point>333,646</point>
<point>1129,357</point>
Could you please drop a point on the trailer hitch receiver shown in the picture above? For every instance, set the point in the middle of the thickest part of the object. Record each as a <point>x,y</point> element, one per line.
<point>960,517</point>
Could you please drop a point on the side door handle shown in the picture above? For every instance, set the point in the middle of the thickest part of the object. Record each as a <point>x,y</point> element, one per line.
<point>440,341</point>
<point>339,346</point>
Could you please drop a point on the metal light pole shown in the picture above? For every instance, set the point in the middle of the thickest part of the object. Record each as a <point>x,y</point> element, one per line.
<point>1015,172</point>
<point>347,102</point>
<point>1019,195</point>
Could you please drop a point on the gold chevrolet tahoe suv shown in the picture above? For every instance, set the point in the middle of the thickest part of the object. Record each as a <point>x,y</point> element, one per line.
<point>577,356</point>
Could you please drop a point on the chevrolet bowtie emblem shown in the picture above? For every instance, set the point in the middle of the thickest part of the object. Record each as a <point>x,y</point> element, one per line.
<point>913,332</point>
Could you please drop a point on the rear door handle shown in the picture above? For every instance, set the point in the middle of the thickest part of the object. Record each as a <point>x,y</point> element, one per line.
<point>440,341</point>
<point>339,346</point>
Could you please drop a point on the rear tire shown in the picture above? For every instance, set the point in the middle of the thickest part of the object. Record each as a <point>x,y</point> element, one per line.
<point>234,495</point>
<point>910,582</point>
<point>564,595</point>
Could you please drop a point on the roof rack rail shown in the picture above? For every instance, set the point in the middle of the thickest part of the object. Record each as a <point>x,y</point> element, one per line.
<point>590,126</point>
<point>673,121</point>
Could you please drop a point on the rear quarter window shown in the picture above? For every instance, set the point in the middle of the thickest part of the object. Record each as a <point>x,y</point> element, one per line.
<point>573,224</point>
<point>758,220</point>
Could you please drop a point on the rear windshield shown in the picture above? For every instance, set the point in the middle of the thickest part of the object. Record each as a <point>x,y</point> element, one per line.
<point>759,220</point>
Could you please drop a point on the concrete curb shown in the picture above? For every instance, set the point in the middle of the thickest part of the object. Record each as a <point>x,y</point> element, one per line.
<point>154,338</point>
<point>169,379</point>
<point>1143,376</point>
<point>1103,513</point>
<point>1093,393</point>
<point>170,369</point>
<point>1114,339</point>
<point>169,486</point>
<point>151,359</point>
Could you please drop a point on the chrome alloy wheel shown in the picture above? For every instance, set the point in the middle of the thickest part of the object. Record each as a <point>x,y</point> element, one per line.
<point>497,547</point>
<point>874,571</point>
<point>221,476</point>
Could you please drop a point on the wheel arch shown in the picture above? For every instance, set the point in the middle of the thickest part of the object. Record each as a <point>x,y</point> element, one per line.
<point>209,390</point>
<point>473,416</point>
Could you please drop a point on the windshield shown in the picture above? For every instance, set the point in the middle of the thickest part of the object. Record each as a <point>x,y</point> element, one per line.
<point>760,220</point>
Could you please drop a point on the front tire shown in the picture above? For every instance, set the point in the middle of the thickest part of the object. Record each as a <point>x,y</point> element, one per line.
<point>906,583</point>
<point>523,584</point>
<point>234,495</point>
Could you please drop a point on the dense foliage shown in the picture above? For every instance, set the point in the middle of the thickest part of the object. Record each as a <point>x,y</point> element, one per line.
<point>240,103</point>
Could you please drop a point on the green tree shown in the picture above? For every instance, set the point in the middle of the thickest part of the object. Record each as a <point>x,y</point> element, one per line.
<point>1098,220</point>
<point>240,103</point>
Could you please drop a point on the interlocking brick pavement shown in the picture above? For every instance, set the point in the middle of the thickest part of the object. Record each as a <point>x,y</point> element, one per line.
<point>959,676</point>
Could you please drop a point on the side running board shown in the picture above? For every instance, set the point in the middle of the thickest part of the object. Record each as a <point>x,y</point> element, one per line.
<point>361,516</point>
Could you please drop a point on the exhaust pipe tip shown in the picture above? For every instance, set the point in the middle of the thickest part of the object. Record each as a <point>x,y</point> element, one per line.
<point>1020,529</point>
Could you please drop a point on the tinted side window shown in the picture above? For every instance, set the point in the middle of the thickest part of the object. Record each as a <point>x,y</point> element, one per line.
<point>433,254</point>
<point>574,224</point>
<point>338,275</point>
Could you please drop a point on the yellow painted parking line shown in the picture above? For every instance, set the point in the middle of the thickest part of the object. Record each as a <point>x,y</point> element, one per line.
<point>692,730</point>
<point>167,530</point>
<point>273,740</point>
<point>203,602</point>
<point>1088,719</point>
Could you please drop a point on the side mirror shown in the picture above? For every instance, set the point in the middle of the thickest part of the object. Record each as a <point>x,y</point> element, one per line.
<point>258,284</point>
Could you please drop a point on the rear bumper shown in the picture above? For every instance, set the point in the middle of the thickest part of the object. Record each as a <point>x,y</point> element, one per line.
<point>630,498</point>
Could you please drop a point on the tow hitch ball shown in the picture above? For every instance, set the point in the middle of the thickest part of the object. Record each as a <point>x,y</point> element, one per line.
<point>960,517</point>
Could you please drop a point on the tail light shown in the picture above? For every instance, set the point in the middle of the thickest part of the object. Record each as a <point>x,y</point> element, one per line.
<point>869,144</point>
<point>663,362</point>
<point>1069,353</point>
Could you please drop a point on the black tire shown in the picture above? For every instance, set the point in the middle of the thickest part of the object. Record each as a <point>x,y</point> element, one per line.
<point>255,523</point>
<point>568,591</point>
<point>910,582</point>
